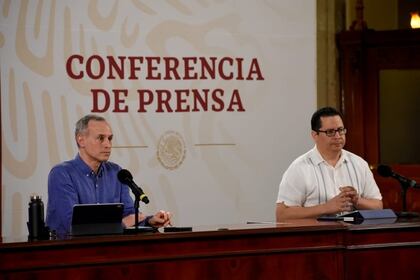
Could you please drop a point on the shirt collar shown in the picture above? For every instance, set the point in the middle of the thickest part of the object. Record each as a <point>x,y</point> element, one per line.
<point>316,157</point>
<point>84,168</point>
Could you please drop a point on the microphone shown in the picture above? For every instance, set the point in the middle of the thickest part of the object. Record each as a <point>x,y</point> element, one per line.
<point>386,171</point>
<point>125,177</point>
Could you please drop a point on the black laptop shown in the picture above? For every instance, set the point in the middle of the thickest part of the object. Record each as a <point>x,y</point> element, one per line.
<point>97,219</point>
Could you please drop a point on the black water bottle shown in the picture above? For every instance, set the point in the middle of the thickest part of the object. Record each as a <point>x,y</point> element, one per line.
<point>36,225</point>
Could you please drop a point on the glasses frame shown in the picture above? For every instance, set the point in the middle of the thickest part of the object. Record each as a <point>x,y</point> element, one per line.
<point>341,131</point>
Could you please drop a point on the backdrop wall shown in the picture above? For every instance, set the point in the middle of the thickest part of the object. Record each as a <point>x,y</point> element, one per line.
<point>209,101</point>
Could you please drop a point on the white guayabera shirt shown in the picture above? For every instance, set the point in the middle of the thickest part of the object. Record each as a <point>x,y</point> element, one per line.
<point>311,181</point>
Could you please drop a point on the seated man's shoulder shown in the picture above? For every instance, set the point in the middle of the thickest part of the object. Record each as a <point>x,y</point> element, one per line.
<point>303,160</point>
<point>111,165</point>
<point>65,166</point>
<point>354,157</point>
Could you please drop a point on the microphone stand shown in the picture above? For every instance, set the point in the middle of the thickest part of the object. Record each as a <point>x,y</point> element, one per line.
<point>136,213</point>
<point>136,229</point>
<point>404,213</point>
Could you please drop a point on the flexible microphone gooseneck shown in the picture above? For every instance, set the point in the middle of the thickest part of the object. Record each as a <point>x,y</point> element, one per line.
<point>386,171</point>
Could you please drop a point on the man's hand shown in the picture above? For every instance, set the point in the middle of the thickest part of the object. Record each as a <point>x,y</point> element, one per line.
<point>160,219</point>
<point>352,193</point>
<point>340,203</point>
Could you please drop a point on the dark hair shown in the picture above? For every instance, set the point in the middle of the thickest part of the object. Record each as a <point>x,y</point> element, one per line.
<point>323,112</point>
<point>82,124</point>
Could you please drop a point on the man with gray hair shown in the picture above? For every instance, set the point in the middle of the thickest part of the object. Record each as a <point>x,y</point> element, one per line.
<point>90,179</point>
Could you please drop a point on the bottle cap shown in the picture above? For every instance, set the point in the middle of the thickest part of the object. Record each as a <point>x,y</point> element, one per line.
<point>35,197</point>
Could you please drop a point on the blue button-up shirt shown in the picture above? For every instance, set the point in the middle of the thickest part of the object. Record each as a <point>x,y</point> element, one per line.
<point>74,182</point>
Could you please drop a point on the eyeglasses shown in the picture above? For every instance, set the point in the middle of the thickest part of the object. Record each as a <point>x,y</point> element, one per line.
<point>332,132</point>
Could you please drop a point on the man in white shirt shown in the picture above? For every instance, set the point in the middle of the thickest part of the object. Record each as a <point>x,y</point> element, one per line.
<point>327,179</point>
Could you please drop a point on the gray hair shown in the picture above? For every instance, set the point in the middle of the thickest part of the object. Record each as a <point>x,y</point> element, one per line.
<point>82,124</point>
